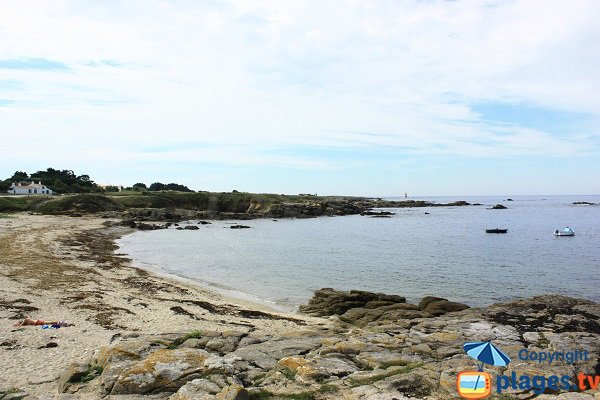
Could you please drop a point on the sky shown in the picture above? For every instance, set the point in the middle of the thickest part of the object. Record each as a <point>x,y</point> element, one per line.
<point>352,97</point>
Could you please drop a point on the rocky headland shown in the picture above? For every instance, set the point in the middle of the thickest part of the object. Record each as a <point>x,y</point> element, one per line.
<point>174,207</point>
<point>162,218</point>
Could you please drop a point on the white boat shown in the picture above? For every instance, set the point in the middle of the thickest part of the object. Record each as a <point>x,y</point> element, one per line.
<point>565,232</point>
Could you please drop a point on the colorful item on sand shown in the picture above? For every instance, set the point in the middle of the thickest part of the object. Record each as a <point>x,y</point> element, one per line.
<point>56,326</point>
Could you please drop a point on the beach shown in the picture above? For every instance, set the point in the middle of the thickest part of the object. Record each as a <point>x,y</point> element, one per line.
<point>62,268</point>
<point>132,334</point>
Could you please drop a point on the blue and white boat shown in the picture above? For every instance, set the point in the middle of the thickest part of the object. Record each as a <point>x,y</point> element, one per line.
<point>565,232</point>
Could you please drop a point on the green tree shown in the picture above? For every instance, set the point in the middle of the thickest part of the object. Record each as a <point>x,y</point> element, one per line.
<point>156,186</point>
<point>65,181</point>
<point>177,187</point>
<point>140,187</point>
<point>19,176</point>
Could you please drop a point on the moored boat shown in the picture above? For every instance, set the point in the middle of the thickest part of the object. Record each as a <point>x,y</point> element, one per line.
<point>496,230</point>
<point>565,232</point>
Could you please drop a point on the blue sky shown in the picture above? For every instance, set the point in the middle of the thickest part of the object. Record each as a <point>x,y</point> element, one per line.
<point>330,97</point>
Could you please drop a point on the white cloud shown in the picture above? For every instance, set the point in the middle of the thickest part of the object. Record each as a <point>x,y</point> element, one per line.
<point>265,73</point>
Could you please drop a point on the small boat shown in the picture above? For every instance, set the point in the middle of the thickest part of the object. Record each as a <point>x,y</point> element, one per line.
<point>497,230</point>
<point>565,232</point>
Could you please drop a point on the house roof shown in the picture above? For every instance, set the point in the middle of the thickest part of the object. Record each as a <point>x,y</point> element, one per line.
<point>29,185</point>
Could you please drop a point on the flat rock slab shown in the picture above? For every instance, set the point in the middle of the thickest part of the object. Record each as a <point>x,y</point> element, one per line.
<point>162,371</point>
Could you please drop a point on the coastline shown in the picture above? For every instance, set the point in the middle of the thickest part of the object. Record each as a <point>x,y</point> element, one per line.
<point>229,294</point>
<point>63,268</point>
<point>124,320</point>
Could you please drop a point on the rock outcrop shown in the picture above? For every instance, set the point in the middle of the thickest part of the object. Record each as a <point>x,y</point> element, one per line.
<point>365,308</point>
<point>415,354</point>
<point>328,301</point>
<point>240,227</point>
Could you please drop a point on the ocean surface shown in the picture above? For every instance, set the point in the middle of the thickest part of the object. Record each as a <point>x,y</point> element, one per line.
<point>444,253</point>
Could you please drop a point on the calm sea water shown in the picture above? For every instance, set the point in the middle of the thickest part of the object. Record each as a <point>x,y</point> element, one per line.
<point>444,253</point>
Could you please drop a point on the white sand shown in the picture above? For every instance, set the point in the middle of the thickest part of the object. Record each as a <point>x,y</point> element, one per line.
<point>63,267</point>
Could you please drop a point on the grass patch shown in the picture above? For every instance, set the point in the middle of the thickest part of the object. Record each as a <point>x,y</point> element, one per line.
<point>179,341</point>
<point>329,389</point>
<point>6,216</point>
<point>289,373</point>
<point>93,371</point>
<point>14,203</point>
<point>369,380</point>
<point>236,202</point>
<point>79,202</point>
<point>260,395</point>
<point>393,363</point>
<point>258,379</point>
<point>267,395</point>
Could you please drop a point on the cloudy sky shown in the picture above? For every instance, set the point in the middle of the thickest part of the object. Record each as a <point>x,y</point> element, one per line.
<point>328,97</point>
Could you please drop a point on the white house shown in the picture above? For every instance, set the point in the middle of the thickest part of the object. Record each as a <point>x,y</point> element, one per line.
<point>29,188</point>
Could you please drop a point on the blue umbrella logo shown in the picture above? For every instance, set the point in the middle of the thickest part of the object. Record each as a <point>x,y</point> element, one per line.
<point>486,353</point>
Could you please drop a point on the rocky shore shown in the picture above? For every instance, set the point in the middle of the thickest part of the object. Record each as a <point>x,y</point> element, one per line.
<point>134,335</point>
<point>175,207</point>
<point>414,354</point>
<point>162,218</point>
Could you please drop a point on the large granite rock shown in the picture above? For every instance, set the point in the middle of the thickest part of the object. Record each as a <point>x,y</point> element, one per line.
<point>197,389</point>
<point>365,308</point>
<point>328,301</point>
<point>438,306</point>
<point>162,371</point>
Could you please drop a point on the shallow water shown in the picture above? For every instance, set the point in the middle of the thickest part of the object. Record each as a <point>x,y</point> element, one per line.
<point>444,253</point>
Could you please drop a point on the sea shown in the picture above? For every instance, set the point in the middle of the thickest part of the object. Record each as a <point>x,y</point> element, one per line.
<point>440,251</point>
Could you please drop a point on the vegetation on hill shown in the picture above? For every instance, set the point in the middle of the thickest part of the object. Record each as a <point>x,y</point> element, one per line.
<point>13,204</point>
<point>66,181</point>
<point>234,202</point>
<point>88,203</point>
<point>60,181</point>
<point>157,186</point>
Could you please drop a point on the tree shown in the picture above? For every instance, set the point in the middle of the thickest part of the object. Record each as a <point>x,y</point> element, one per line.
<point>177,187</point>
<point>19,176</point>
<point>60,181</point>
<point>140,187</point>
<point>156,186</point>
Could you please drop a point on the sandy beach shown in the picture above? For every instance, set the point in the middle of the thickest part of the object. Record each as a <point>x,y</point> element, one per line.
<point>62,268</point>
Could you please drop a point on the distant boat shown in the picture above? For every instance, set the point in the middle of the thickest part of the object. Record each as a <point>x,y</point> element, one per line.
<point>497,230</point>
<point>565,232</point>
